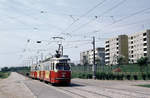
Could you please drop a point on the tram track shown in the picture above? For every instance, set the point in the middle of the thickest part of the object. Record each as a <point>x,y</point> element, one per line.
<point>85,96</point>
<point>136,92</point>
<point>82,91</point>
<point>79,90</point>
<point>131,93</point>
<point>88,90</point>
<point>74,93</point>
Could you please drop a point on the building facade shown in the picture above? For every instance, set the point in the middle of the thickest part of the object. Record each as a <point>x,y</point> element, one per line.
<point>86,57</point>
<point>130,47</point>
<point>139,46</point>
<point>115,48</point>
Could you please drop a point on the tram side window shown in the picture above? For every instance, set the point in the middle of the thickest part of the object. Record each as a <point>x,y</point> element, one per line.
<point>53,66</point>
<point>46,67</point>
<point>50,66</point>
<point>36,68</point>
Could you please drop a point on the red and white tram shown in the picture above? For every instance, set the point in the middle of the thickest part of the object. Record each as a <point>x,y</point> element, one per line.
<point>54,70</point>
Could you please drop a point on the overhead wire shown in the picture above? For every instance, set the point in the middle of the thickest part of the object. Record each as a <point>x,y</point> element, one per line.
<point>83,25</point>
<point>126,17</point>
<point>86,13</point>
<point>19,20</point>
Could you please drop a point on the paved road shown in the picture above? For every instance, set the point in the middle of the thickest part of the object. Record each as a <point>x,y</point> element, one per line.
<point>17,86</point>
<point>43,90</point>
<point>13,87</point>
<point>83,88</point>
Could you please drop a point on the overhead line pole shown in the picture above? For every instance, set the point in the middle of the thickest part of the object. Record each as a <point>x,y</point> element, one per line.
<point>94,66</point>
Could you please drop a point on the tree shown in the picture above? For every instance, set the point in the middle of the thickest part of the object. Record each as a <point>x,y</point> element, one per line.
<point>120,60</point>
<point>142,62</point>
<point>4,69</point>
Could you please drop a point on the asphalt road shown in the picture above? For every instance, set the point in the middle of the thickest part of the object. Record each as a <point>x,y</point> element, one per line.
<point>83,88</point>
<point>43,90</point>
<point>18,86</point>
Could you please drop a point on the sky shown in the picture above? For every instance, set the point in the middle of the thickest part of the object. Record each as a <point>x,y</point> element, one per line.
<point>23,22</point>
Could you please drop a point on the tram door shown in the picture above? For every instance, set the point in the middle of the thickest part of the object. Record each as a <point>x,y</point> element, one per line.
<point>52,73</point>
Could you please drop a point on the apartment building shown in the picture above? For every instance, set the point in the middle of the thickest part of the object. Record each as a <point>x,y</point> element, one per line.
<point>116,47</point>
<point>86,57</point>
<point>139,45</point>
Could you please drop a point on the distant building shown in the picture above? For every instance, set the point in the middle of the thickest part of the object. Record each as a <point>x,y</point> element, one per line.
<point>139,46</point>
<point>131,47</point>
<point>86,57</point>
<point>116,47</point>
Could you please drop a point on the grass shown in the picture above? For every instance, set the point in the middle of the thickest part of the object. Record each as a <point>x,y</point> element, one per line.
<point>106,71</point>
<point>133,68</point>
<point>145,85</point>
<point>4,75</point>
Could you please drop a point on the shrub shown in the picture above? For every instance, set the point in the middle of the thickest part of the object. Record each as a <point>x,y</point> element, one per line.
<point>121,77</point>
<point>148,76</point>
<point>144,77</point>
<point>128,77</point>
<point>113,76</point>
<point>135,77</point>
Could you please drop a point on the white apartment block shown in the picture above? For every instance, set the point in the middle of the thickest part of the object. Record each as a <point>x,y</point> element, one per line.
<point>86,57</point>
<point>132,47</point>
<point>139,46</point>
<point>116,47</point>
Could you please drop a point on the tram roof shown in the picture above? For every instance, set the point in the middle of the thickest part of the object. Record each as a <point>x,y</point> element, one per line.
<point>61,58</point>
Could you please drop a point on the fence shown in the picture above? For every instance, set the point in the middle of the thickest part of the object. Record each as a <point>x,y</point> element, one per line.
<point>129,72</point>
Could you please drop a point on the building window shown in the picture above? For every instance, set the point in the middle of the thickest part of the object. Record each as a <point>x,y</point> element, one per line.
<point>107,54</point>
<point>144,39</point>
<point>131,42</point>
<point>145,49</point>
<point>107,50</point>
<point>107,58</point>
<point>144,44</point>
<point>131,47</point>
<point>117,43</point>
<point>132,56</point>
<point>144,34</point>
<point>107,41</point>
<point>107,45</point>
<point>145,54</point>
<point>132,51</point>
<point>132,37</point>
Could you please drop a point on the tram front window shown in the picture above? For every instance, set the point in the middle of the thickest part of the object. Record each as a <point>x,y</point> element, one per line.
<point>62,66</point>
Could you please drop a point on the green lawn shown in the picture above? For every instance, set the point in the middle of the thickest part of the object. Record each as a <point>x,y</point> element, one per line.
<point>125,68</point>
<point>4,75</point>
<point>131,69</point>
<point>145,85</point>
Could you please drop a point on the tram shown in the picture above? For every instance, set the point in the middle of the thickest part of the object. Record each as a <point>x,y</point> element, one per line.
<point>55,70</point>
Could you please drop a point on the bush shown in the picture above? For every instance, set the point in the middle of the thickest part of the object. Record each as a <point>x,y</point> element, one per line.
<point>4,74</point>
<point>109,75</point>
<point>113,77</point>
<point>121,77</point>
<point>128,77</point>
<point>144,77</point>
<point>148,76</point>
<point>89,76</point>
<point>135,77</point>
